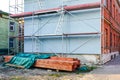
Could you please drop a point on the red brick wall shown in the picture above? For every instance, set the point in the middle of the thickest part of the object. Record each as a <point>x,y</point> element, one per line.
<point>110,26</point>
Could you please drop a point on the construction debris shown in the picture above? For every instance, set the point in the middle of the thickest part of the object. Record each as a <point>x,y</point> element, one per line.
<point>25,60</point>
<point>54,62</point>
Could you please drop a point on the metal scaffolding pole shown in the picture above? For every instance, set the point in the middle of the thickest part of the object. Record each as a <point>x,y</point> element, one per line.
<point>15,7</point>
<point>8,30</point>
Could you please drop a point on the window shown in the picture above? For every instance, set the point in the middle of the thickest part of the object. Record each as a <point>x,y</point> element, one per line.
<point>114,11</point>
<point>111,6</point>
<point>111,39</point>
<point>12,26</point>
<point>106,38</point>
<point>0,15</point>
<point>106,3</point>
<point>11,42</point>
<point>116,14</point>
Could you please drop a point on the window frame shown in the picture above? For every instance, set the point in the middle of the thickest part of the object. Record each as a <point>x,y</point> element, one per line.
<point>12,24</point>
<point>11,42</point>
<point>106,3</point>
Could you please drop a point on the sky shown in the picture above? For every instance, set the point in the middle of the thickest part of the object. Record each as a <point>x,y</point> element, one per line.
<point>4,5</point>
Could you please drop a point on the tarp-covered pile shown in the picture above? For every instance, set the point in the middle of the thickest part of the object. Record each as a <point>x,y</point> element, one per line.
<point>26,60</point>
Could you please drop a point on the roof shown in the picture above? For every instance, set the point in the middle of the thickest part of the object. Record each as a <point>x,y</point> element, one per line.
<point>2,12</point>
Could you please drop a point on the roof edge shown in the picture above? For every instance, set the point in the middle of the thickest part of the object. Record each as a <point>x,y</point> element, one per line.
<point>3,12</point>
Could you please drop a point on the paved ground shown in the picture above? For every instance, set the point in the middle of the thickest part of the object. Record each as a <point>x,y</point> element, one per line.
<point>108,71</point>
<point>112,67</point>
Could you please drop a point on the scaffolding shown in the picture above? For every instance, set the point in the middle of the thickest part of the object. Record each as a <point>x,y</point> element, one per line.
<point>61,11</point>
<point>15,7</point>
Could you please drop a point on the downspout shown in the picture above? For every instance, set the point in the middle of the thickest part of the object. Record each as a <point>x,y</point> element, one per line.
<point>102,29</point>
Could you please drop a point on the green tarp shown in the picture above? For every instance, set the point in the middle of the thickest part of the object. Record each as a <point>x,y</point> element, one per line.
<point>27,59</point>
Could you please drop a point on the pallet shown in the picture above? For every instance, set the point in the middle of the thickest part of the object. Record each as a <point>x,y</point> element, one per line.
<point>12,65</point>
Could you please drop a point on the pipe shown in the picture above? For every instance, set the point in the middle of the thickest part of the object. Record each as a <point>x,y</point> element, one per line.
<point>83,6</point>
<point>54,10</point>
<point>65,34</point>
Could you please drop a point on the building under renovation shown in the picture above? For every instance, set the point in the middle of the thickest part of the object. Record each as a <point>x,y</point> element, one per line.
<point>8,26</point>
<point>85,29</point>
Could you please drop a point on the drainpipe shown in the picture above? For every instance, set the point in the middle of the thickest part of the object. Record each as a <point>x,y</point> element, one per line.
<point>55,10</point>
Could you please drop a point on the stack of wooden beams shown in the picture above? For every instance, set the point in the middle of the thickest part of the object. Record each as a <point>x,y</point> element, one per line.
<point>58,63</point>
<point>7,58</point>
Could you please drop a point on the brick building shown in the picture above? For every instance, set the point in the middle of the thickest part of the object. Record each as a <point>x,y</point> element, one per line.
<point>110,28</point>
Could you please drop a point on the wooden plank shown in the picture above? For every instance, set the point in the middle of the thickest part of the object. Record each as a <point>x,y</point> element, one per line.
<point>7,58</point>
<point>57,64</point>
<point>62,58</point>
<point>12,65</point>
